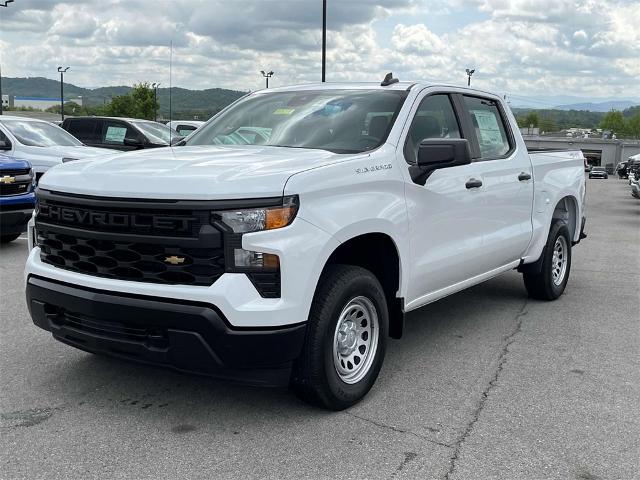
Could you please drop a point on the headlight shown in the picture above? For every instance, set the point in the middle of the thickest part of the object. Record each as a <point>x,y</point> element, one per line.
<point>257,219</point>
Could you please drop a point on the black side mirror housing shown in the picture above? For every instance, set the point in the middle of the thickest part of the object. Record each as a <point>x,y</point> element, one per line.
<point>133,142</point>
<point>437,153</point>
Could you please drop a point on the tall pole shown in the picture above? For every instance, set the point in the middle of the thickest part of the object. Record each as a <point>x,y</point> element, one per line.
<point>324,38</point>
<point>469,73</point>
<point>155,101</point>
<point>267,76</point>
<point>62,70</point>
<point>1,100</point>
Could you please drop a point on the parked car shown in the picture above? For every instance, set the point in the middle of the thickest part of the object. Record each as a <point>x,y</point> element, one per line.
<point>41,143</point>
<point>185,127</point>
<point>634,180</point>
<point>120,133</point>
<point>598,172</point>
<point>292,260</point>
<point>16,197</point>
<point>621,170</point>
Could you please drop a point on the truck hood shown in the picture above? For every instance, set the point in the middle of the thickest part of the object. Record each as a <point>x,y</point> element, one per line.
<point>195,173</point>
<point>50,156</point>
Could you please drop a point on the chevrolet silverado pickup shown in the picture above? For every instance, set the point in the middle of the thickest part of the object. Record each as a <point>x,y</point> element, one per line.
<point>284,241</point>
<point>17,197</point>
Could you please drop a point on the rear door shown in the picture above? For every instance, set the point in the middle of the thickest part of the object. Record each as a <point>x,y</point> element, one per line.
<point>507,182</point>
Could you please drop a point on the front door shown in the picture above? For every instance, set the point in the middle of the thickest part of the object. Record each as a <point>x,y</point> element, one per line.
<point>445,214</point>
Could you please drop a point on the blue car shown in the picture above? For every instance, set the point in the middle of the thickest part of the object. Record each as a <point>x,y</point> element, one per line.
<point>17,197</point>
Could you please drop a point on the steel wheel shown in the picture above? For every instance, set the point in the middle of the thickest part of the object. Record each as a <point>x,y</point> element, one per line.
<point>559,260</point>
<point>355,340</point>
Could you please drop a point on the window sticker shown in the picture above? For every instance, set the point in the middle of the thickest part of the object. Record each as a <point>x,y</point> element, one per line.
<point>488,127</point>
<point>115,134</point>
<point>284,111</point>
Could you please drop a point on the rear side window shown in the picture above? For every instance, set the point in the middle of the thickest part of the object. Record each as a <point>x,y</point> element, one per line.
<point>489,126</point>
<point>83,130</point>
<point>434,119</point>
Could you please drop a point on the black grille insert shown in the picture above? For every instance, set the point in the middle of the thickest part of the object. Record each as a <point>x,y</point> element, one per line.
<point>122,260</point>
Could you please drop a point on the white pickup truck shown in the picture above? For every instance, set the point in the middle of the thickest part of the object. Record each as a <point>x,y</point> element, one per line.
<point>285,240</point>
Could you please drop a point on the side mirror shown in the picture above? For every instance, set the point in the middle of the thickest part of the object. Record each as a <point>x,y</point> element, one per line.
<point>437,153</point>
<point>132,142</point>
<point>176,140</point>
<point>5,145</point>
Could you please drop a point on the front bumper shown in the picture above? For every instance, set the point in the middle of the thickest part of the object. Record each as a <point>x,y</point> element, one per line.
<point>15,220</point>
<point>186,336</point>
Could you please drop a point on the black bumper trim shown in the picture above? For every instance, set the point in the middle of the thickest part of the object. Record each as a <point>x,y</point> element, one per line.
<point>185,336</point>
<point>15,221</point>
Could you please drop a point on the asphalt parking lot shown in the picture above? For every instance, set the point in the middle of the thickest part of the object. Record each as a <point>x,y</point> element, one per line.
<point>485,384</point>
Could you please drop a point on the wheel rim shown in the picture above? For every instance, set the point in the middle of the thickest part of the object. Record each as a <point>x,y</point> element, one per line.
<point>559,261</point>
<point>355,340</point>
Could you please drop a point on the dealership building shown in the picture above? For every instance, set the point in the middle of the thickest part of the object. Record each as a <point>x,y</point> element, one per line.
<point>602,152</point>
<point>36,103</point>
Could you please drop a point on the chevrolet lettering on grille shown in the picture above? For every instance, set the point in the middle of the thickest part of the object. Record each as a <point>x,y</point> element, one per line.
<point>136,221</point>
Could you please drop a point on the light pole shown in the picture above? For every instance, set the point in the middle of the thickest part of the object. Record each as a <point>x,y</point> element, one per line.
<point>155,101</point>
<point>469,73</point>
<point>324,38</point>
<point>267,76</point>
<point>62,70</point>
<point>7,2</point>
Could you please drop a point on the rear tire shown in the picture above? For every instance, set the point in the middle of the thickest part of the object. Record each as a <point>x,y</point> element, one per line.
<point>550,283</point>
<point>346,339</point>
<point>8,238</point>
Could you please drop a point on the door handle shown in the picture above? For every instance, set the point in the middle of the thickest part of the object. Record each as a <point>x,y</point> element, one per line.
<point>473,183</point>
<point>524,176</point>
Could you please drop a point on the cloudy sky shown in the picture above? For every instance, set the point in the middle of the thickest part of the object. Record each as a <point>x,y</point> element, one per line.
<point>529,48</point>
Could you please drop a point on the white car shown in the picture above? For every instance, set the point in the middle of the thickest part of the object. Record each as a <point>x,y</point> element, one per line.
<point>291,258</point>
<point>42,143</point>
<point>185,127</point>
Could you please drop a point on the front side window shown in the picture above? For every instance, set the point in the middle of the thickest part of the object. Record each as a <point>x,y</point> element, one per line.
<point>115,132</point>
<point>40,134</point>
<point>156,132</point>
<point>340,121</point>
<point>489,127</point>
<point>434,118</point>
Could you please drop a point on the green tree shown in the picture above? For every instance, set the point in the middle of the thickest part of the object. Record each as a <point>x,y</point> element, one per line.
<point>633,126</point>
<point>531,120</point>
<point>139,103</point>
<point>614,121</point>
<point>70,108</point>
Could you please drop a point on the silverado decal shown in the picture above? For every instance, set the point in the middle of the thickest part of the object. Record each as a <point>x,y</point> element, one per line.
<point>373,168</point>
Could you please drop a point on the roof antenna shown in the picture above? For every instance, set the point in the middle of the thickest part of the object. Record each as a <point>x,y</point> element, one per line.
<point>388,80</point>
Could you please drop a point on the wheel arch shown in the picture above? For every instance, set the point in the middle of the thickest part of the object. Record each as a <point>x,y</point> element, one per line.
<point>378,253</point>
<point>567,210</point>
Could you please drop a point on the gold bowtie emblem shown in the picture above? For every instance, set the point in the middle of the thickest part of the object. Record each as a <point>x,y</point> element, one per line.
<point>174,260</point>
<point>7,179</point>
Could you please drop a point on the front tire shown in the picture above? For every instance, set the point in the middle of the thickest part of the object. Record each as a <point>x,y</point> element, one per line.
<point>346,339</point>
<point>550,283</point>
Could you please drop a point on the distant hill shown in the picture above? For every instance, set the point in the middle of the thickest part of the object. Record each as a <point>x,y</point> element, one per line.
<point>598,107</point>
<point>186,103</point>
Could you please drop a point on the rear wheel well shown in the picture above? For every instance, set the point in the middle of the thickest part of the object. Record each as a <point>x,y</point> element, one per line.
<point>567,210</point>
<point>377,253</point>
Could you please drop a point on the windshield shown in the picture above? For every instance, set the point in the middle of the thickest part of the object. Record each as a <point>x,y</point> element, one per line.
<point>40,134</point>
<point>598,169</point>
<point>156,132</point>
<point>341,121</point>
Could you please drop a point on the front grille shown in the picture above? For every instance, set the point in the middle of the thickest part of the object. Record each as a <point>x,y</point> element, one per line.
<point>20,185</point>
<point>130,240</point>
<point>143,262</point>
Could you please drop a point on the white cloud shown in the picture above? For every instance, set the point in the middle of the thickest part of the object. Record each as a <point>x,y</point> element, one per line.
<point>530,47</point>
